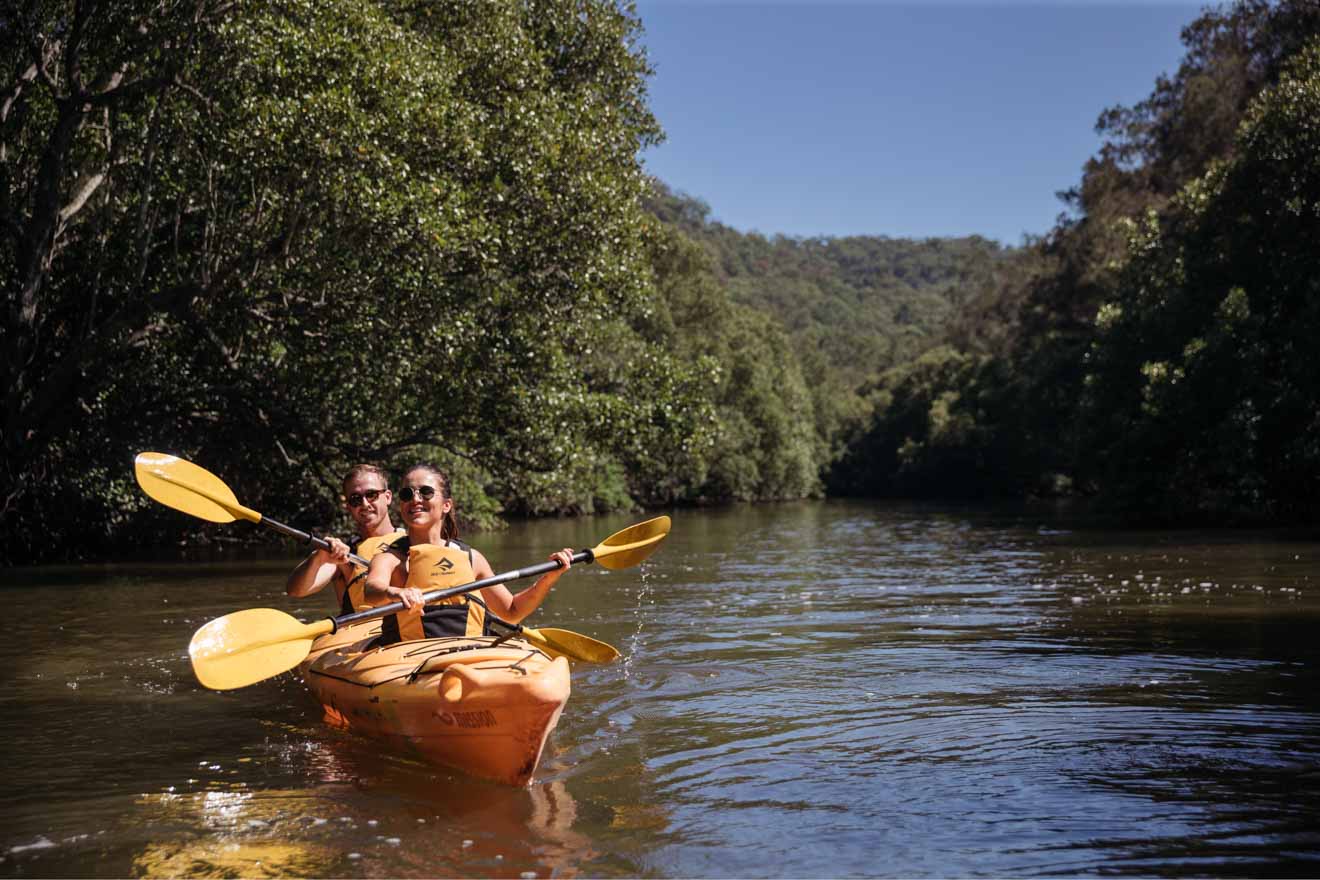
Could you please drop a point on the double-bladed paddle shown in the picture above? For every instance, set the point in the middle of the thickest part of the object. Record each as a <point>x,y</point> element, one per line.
<point>249,646</point>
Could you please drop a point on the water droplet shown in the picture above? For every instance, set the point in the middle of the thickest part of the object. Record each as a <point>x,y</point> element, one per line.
<point>42,842</point>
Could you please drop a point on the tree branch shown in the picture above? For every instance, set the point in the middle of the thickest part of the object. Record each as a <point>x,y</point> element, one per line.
<point>72,52</point>
<point>24,78</point>
<point>41,57</point>
<point>82,192</point>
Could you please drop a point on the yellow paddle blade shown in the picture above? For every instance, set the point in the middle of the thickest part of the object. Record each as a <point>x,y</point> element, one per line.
<point>184,486</point>
<point>632,545</point>
<point>249,646</point>
<point>574,646</point>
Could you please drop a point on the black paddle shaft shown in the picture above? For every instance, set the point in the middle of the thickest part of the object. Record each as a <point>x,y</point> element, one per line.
<point>437,595</point>
<point>304,537</point>
<point>299,534</point>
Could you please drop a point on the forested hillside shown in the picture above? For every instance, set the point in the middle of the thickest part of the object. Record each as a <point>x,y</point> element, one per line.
<point>852,307</point>
<point>1152,349</point>
<point>1157,350</point>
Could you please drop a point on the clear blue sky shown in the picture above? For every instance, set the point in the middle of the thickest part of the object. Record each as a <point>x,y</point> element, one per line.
<point>901,119</point>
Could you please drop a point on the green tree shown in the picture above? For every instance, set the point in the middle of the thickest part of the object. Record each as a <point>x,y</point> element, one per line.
<point>1038,319</point>
<point>280,237</point>
<point>758,438</point>
<point>1203,383</point>
<point>936,431</point>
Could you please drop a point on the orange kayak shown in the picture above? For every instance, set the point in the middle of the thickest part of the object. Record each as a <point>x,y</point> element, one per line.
<point>462,702</point>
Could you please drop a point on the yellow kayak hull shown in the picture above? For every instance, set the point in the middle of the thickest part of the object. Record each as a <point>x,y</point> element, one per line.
<point>456,702</point>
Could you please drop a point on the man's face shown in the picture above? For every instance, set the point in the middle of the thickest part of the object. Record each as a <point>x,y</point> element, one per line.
<point>367,500</point>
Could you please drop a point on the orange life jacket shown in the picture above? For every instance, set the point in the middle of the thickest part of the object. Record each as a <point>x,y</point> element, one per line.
<point>353,596</point>
<point>435,567</point>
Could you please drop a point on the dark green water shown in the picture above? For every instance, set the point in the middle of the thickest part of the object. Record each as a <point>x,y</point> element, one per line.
<point>813,690</point>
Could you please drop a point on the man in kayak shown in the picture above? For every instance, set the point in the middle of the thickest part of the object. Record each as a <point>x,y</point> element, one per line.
<point>367,499</point>
<point>431,557</point>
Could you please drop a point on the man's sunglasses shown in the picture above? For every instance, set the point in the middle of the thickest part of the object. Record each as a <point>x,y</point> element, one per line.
<point>368,496</point>
<point>426,493</point>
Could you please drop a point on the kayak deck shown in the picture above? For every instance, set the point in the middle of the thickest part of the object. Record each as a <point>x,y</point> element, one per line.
<point>464,702</point>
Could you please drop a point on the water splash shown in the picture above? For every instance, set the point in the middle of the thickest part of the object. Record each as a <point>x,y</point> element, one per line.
<point>636,641</point>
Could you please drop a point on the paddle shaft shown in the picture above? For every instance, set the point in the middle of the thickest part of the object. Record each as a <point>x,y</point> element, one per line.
<point>437,595</point>
<point>306,538</point>
<point>251,515</point>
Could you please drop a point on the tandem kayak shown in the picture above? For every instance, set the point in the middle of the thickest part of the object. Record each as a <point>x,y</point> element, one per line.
<point>477,704</point>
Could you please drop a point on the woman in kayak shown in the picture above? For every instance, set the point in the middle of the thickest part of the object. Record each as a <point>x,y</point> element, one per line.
<point>367,500</point>
<point>431,557</point>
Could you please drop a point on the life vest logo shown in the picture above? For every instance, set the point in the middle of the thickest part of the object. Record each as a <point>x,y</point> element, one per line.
<point>444,566</point>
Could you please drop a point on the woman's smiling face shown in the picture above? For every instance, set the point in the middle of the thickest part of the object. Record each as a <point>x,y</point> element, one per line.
<point>421,499</point>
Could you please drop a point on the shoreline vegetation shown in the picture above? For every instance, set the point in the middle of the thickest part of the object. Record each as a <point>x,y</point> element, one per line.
<point>281,238</point>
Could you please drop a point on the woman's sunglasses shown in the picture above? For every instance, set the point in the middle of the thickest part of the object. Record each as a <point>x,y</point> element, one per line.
<point>368,496</point>
<point>426,493</point>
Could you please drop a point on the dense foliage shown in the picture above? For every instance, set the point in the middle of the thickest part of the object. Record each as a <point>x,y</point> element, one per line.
<point>279,237</point>
<point>852,308</point>
<point>1203,380</point>
<point>762,442</point>
<point>1151,348</point>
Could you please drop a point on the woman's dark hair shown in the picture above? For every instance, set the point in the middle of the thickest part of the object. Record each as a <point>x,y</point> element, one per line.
<point>449,530</point>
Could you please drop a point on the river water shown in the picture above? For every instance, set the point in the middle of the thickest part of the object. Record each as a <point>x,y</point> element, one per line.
<point>808,690</point>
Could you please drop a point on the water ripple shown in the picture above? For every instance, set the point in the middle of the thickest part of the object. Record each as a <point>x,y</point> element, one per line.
<point>913,691</point>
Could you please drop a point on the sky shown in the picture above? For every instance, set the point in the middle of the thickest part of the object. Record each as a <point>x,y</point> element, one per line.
<point>909,120</point>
